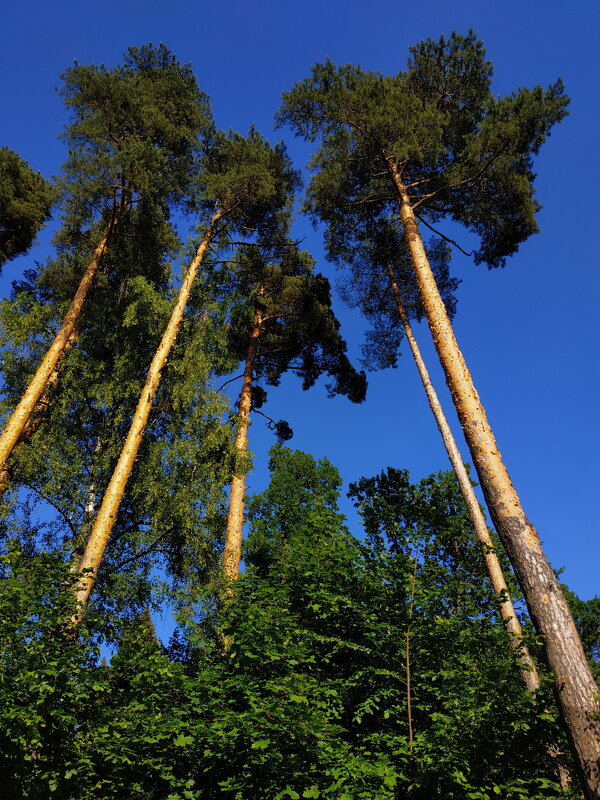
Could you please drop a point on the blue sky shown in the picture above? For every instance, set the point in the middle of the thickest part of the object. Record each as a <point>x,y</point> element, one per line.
<point>529,332</point>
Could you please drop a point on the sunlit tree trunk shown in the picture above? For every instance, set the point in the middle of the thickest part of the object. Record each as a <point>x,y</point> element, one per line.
<point>235,519</point>
<point>40,409</point>
<point>27,405</point>
<point>528,669</point>
<point>576,690</point>
<point>96,545</point>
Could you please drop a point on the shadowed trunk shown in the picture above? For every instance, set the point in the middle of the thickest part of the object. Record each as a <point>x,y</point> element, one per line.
<point>235,519</point>
<point>528,669</point>
<point>96,545</point>
<point>89,511</point>
<point>575,687</point>
<point>23,412</point>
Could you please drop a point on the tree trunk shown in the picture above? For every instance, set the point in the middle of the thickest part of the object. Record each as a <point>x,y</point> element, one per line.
<point>575,686</point>
<point>89,511</point>
<point>40,409</point>
<point>113,495</point>
<point>23,412</point>
<point>235,519</point>
<point>527,667</point>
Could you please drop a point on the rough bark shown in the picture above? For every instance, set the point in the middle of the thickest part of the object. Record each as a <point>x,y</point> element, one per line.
<point>24,410</point>
<point>235,519</point>
<point>527,667</point>
<point>96,545</point>
<point>576,690</point>
<point>40,409</point>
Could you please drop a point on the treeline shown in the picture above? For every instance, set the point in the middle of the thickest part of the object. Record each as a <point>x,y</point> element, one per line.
<point>355,669</point>
<point>330,668</point>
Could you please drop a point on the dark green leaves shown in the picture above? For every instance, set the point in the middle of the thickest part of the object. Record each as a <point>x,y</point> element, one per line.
<point>461,152</point>
<point>25,203</point>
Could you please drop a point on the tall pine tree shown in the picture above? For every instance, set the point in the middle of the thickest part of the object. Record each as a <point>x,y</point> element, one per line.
<point>434,142</point>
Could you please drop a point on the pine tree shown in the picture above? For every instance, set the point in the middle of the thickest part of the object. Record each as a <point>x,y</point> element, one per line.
<point>25,202</point>
<point>434,142</point>
<point>132,138</point>
<point>383,286</point>
<point>171,517</point>
<point>283,323</point>
<point>244,184</point>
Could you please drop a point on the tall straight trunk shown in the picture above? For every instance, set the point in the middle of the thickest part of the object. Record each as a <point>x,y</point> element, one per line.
<point>40,409</point>
<point>235,519</point>
<point>105,519</point>
<point>527,667</point>
<point>576,689</point>
<point>24,410</point>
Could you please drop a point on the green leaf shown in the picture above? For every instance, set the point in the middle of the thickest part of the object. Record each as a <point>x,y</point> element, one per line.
<point>261,744</point>
<point>183,741</point>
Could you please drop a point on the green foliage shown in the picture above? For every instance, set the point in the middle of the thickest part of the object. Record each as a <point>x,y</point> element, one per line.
<point>462,153</point>
<point>311,697</point>
<point>369,288</point>
<point>250,180</point>
<point>133,133</point>
<point>353,670</point>
<point>25,202</point>
<point>299,331</point>
<point>586,614</point>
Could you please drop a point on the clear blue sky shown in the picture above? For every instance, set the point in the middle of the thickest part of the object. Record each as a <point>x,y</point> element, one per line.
<point>529,332</point>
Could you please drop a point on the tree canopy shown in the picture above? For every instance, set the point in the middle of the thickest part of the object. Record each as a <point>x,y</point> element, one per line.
<point>26,199</point>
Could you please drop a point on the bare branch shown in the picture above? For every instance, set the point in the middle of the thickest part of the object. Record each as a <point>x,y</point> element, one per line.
<point>443,236</point>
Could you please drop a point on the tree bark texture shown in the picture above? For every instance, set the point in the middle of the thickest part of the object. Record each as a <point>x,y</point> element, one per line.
<point>107,513</point>
<point>40,409</point>
<point>232,554</point>
<point>24,410</point>
<point>527,667</point>
<point>576,690</point>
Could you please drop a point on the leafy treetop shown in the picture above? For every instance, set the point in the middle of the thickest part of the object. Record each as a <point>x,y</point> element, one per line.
<point>462,152</point>
<point>25,202</point>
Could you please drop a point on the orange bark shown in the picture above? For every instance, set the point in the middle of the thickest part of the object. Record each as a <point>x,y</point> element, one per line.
<point>40,409</point>
<point>105,519</point>
<point>235,519</point>
<point>576,690</point>
<point>20,416</point>
<point>528,669</point>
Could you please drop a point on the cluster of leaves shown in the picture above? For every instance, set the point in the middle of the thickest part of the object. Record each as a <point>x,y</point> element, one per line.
<point>373,670</point>
<point>25,202</point>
